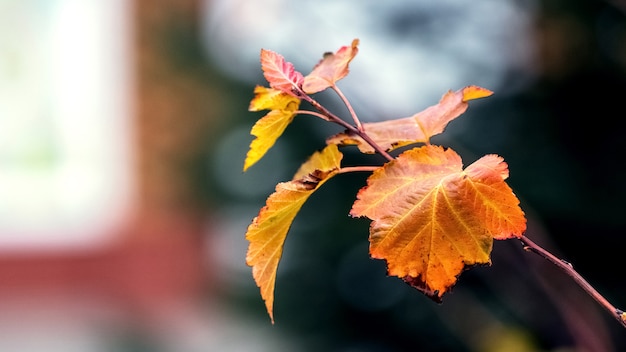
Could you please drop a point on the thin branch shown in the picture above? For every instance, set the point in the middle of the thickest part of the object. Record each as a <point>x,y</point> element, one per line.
<point>357,122</point>
<point>569,270</point>
<point>334,118</point>
<point>374,145</point>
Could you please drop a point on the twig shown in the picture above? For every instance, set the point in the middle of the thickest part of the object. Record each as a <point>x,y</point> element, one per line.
<point>569,270</point>
<point>357,122</point>
<point>334,118</point>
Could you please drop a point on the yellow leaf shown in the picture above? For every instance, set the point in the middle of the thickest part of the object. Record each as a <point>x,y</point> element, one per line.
<point>328,159</point>
<point>269,99</point>
<point>268,230</point>
<point>271,126</point>
<point>432,219</point>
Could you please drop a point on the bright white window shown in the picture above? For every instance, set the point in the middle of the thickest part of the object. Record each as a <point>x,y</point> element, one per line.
<point>65,122</point>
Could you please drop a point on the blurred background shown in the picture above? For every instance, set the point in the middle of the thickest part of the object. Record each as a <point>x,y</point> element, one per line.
<point>123,205</point>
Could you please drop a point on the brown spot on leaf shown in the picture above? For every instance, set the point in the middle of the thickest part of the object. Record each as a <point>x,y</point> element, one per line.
<point>312,179</point>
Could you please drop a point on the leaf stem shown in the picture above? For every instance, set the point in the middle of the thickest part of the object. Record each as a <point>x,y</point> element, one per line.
<point>309,112</point>
<point>569,270</point>
<point>347,169</point>
<point>357,122</point>
<point>371,142</point>
<point>334,118</point>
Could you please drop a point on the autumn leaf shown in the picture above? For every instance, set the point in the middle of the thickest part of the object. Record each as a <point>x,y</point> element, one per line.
<point>431,219</point>
<point>279,73</point>
<point>269,99</point>
<point>268,230</point>
<point>330,69</point>
<point>271,126</point>
<point>419,128</point>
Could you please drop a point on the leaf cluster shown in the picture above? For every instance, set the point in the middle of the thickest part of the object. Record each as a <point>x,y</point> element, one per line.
<point>431,218</point>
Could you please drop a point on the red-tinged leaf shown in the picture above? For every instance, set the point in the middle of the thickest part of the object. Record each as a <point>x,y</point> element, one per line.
<point>431,219</point>
<point>419,128</point>
<point>268,230</point>
<point>279,73</point>
<point>330,69</point>
<point>271,126</point>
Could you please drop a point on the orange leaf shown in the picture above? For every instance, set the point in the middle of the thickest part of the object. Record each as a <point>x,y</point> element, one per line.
<point>279,73</point>
<point>432,219</point>
<point>268,230</point>
<point>475,92</point>
<point>419,128</point>
<point>330,69</point>
<point>271,126</point>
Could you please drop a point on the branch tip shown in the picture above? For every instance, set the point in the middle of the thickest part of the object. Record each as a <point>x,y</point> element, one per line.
<point>568,269</point>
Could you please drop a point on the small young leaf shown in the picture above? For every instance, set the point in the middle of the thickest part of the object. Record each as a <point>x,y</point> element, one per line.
<point>330,69</point>
<point>268,230</point>
<point>268,128</point>
<point>279,73</point>
<point>432,219</point>
<point>419,128</point>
